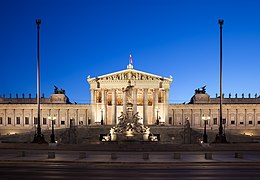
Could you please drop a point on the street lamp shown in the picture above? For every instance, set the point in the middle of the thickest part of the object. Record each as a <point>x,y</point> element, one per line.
<point>38,137</point>
<point>102,120</point>
<point>52,119</point>
<point>220,137</point>
<point>205,136</point>
<point>157,119</point>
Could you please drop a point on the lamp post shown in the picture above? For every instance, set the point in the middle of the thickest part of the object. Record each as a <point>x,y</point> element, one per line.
<point>52,119</point>
<point>38,137</point>
<point>102,120</point>
<point>220,137</point>
<point>205,119</point>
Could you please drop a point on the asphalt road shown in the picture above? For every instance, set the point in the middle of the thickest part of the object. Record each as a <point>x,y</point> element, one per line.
<point>133,171</point>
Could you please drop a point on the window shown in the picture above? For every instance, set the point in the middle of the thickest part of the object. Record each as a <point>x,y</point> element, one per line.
<point>26,120</point>
<point>17,120</point>
<point>241,122</point>
<point>250,122</point>
<point>215,121</point>
<point>1,120</point>
<point>160,85</point>
<point>258,122</point>
<point>170,120</point>
<point>98,84</point>
<point>98,97</point>
<point>62,122</point>
<point>35,120</point>
<point>44,121</point>
<point>160,97</point>
<point>9,120</point>
<point>224,121</point>
<point>232,122</point>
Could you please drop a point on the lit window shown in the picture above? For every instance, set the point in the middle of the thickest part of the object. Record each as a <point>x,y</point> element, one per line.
<point>9,120</point>
<point>215,121</point>
<point>44,121</point>
<point>26,120</point>
<point>35,120</point>
<point>17,120</point>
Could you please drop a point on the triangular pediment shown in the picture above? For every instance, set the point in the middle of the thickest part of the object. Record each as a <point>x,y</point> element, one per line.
<point>129,74</point>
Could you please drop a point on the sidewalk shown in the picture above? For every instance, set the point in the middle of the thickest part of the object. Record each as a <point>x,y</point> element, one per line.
<point>126,157</point>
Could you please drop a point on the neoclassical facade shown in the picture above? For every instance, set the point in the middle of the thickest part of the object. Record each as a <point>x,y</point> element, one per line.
<point>109,97</point>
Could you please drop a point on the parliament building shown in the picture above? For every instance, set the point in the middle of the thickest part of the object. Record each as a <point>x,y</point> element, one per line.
<point>109,97</point>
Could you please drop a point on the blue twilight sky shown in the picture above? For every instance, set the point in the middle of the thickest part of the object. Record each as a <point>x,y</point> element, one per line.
<point>95,37</point>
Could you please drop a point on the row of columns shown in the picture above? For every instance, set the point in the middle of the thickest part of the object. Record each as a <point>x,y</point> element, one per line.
<point>163,110</point>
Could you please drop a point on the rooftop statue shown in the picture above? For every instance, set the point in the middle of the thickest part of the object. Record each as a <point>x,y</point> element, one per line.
<point>57,91</point>
<point>201,90</point>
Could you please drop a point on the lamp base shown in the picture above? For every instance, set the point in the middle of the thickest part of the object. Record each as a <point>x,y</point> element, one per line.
<point>220,138</point>
<point>39,138</point>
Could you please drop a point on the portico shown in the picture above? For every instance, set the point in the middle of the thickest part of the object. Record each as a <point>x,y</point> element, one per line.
<point>149,95</point>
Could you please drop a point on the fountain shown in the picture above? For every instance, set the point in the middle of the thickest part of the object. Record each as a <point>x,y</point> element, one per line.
<point>129,127</point>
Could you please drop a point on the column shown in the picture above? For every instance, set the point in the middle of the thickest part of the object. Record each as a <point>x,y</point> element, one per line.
<point>67,119</point>
<point>93,104</point>
<point>104,107</point>
<point>86,117</point>
<point>135,100</point>
<point>113,106</point>
<point>245,117</point>
<point>77,117</point>
<point>254,119</point>
<point>58,118</point>
<point>124,102</point>
<point>5,119</point>
<point>155,104</point>
<point>166,106</point>
<point>22,118</point>
<point>227,119</point>
<point>14,119</point>
<point>32,119</point>
<point>236,117</point>
<point>145,105</point>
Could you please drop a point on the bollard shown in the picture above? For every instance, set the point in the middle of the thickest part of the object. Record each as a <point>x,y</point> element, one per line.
<point>113,156</point>
<point>82,155</point>
<point>208,155</point>
<point>239,155</point>
<point>51,155</point>
<point>176,155</point>
<point>21,154</point>
<point>145,156</point>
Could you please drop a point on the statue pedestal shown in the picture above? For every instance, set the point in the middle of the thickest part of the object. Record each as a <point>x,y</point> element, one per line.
<point>135,137</point>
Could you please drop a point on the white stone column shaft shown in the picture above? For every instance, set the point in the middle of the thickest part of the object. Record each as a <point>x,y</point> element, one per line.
<point>124,102</point>
<point>104,107</point>
<point>93,106</point>
<point>135,100</point>
<point>166,106</point>
<point>145,106</point>
<point>155,104</point>
<point>5,119</point>
<point>114,107</point>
